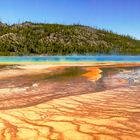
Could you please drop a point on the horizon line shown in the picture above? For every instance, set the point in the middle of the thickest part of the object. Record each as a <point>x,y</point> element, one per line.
<point>71,24</point>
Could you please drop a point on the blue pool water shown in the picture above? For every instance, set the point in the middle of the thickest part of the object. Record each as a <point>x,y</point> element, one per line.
<point>70,59</point>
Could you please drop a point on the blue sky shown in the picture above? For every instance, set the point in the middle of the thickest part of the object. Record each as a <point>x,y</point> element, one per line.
<point>121,16</point>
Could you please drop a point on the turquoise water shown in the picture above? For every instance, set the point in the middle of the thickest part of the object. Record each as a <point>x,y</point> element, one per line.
<point>70,59</point>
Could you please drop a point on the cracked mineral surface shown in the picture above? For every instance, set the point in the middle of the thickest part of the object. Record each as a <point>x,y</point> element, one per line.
<point>70,102</point>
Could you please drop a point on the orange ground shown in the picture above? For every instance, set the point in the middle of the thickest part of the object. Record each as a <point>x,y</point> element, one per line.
<point>93,73</point>
<point>108,115</point>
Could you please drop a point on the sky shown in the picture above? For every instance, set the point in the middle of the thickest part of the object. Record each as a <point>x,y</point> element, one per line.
<point>120,16</point>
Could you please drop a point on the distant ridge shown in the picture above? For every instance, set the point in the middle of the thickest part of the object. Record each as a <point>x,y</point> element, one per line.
<point>55,39</point>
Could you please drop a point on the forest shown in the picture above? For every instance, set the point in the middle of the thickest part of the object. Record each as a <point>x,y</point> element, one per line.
<point>55,39</point>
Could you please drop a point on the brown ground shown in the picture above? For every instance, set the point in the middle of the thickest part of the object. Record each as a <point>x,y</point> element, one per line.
<point>67,110</point>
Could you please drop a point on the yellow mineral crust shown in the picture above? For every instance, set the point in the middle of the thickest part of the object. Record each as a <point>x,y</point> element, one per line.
<point>104,115</point>
<point>112,114</point>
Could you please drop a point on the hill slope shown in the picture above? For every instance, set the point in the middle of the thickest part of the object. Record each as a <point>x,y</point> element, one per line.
<point>55,39</point>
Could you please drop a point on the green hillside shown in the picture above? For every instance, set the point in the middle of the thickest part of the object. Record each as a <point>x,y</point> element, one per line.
<point>55,39</point>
